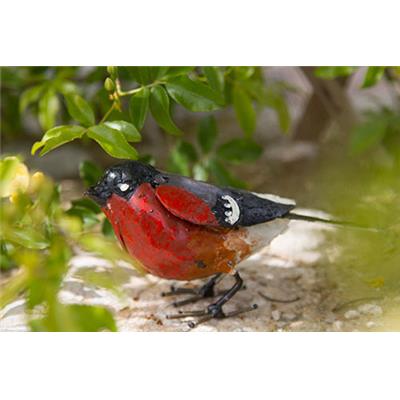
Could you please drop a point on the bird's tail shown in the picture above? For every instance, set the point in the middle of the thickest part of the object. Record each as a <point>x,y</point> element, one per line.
<point>302,217</point>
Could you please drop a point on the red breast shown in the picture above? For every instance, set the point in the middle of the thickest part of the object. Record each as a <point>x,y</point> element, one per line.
<point>168,246</point>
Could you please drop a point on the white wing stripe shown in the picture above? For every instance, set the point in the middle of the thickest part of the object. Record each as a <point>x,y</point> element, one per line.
<point>275,198</point>
<point>235,213</point>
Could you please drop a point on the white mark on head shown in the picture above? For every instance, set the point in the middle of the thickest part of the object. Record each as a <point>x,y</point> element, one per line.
<point>123,187</point>
<point>233,215</point>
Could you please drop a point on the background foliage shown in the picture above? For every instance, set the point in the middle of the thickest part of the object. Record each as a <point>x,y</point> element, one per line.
<point>108,107</point>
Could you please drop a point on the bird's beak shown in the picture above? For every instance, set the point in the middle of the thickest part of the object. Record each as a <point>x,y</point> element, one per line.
<point>99,194</point>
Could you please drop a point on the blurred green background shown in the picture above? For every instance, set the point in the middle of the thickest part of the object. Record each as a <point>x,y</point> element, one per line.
<point>327,136</point>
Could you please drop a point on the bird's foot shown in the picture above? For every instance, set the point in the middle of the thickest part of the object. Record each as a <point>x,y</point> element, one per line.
<point>175,291</point>
<point>212,311</point>
<point>207,290</point>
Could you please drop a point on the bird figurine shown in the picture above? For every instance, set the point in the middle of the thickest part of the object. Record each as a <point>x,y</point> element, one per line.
<point>182,229</point>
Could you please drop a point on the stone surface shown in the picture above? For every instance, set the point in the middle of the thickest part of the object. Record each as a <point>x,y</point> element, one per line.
<point>276,315</point>
<point>370,309</point>
<point>351,314</point>
<point>291,268</point>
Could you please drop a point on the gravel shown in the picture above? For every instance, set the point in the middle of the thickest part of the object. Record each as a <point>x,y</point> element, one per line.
<point>292,269</point>
<point>351,314</point>
<point>370,309</point>
<point>276,315</point>
<point>337,326</point>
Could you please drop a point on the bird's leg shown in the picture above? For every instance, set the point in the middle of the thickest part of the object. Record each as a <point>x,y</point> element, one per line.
<point>207,290</point>
<point>214,310</point>
<point>205,318</point>
<point>175,291</point>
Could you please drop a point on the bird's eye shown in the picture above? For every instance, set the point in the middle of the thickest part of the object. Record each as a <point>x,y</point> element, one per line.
<point>123,187</point>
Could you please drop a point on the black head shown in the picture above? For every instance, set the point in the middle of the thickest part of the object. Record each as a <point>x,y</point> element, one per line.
<point>121,179</point>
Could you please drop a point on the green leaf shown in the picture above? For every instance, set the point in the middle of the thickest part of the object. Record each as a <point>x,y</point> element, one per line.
<point>107,229</point>
<point>6,262</point>
<point>130,132</point>
<point>239,150</point>
<point>92,318</point>
<point>139,106</point>
<point>243,73</point>
<point>282,112</point>
<point>207,133</point>
<point>27,237</point>
<point>76,318</point>
<point>8,170</point>
<point>271,96</point>
<point>333,72</point>
<point>276,100</point>
<point>107,248</point>
<point>372,76</point>
<point>111,279</point>
<point>48,108</point>
<point>200,172</point>
<point>29,96</point>
<point>176,71</point>
<point>147,159</point>
<point>79,109</point>
<point>15,286</point>
<point>182,156</point>
<point>89,172</point>
<point>193,95</point>
<point>187,149</point>
<point>86,210</point>
<point>244,110</point>
<point>58,136</point>
<point>147,75</point>
<point>112,141</point>
<point>159,106</point>
<point>222,176</point>
<point>66,87</point>
<point>215,78</point>
<point>86,204</point>
<point>368,134</point>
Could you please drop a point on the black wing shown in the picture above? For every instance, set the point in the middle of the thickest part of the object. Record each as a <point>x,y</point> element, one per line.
<point>253,208</point>
<point>231,207</point>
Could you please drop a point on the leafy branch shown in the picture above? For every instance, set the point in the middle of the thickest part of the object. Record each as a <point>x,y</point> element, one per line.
<point>157,90</point>
<point>39,236</point>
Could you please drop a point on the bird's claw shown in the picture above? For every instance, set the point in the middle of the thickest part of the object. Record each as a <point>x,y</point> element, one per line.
<point>177,291</point>
<point>198,294</point>
<point>212,311</point>
<point>206,290</point>
<point>189,300</point>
